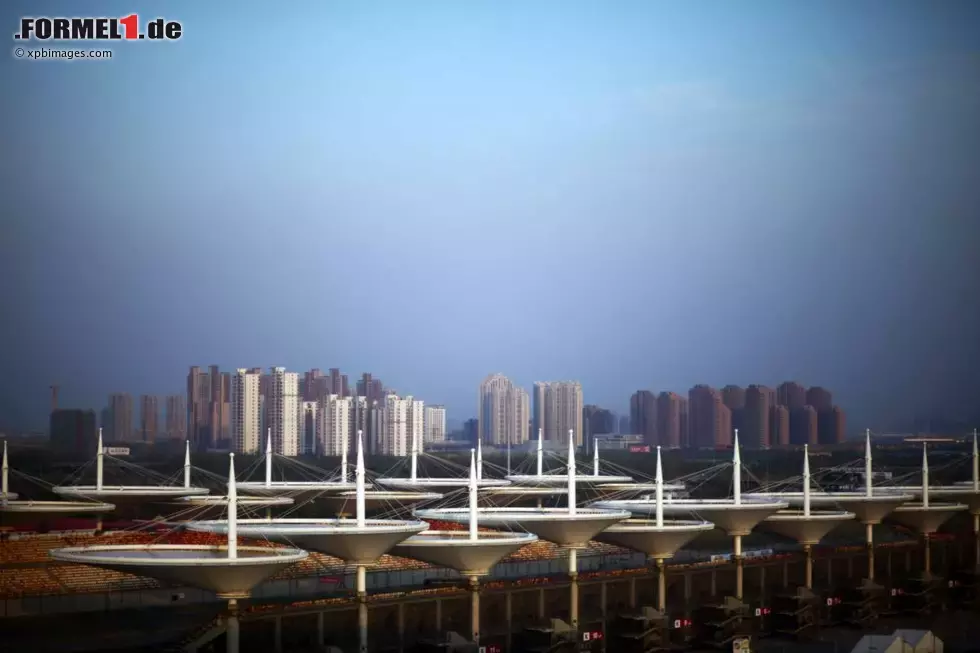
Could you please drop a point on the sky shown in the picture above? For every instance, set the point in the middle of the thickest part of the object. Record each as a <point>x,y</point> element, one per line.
<point>632,194</point>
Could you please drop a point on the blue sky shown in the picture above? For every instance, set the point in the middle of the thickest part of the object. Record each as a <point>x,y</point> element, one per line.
<point>632,194</point>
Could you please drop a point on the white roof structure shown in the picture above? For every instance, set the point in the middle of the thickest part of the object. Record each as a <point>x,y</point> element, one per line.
<point>228,571</point>
<point>416,483</point>
<point>571,527</point>
<point>472,553</point>
<point>736,516</point>
<point>926,516</point>
<point>295,489</point>
<point>540,479</point>
<point>358,541</point>
<point>119,494</point>
<point>5,493</point>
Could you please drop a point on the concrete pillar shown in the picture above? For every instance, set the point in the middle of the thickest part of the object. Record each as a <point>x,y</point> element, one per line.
<point>714,583</point>
<point>541,603</point>
<point>439,616</point>
<point>475,609</point>
<point>362,627</point>
<point>762,579</point>
<point>908,561</point>
<point>688,580</point>
<point>632,592</point>
<point>401,626</point>
<point>888,563</point>
<point>277,641</point>
<point>808,566</point>
<point>320,627</point>
<point>830,572</point>
<point>509,610</point>
<point>785,575</point>
<point>661,586</point>
<point>603,597</point>
<point>573,603</point>
<point>850,567</point>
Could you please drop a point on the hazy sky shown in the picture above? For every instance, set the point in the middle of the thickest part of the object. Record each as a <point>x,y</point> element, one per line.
<point>633,194</point>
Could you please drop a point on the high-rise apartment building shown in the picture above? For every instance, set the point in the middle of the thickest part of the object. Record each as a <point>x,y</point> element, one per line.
<point>335,414</point>
<point>803,426</point>
<point>831,426</point>
<point>792,395</point>
<point>371,388</point>
<point>778,426</point>
<point>149,418</point>
<point>754,433</point>
<point>669,407</point>
<point>502,411</point>
<point>402,425</point>
<point>308,424</point>
<point>199,407</point>
<point>643,416</point>
<point>596,421</point>
<point>710,420</point>
<point>820,398</point>
<point>558,409</point>
<point>282,405</point>
<point>120,418</point>
<point>245,411</point>
<point>176,417</point>
<point>435,424</point>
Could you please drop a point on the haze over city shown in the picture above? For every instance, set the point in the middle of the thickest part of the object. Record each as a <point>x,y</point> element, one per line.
<point>640,198</point>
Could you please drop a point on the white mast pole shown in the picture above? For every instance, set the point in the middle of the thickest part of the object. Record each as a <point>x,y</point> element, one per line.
<point>737,472</point>
<point>359,483</point>
<point>479,460</point>
<point>540,451</point>
<point>660,491</point>
<point>472,489</point>
<point>571,473</point>
<point>806,481</point>
<point>4,475</point>
<point>268,458</point>
<point>508,458</point>
<point>595,456</point>
<point>867,463</point>
<point>232,509</point>
<point>98,464</point>
<point>415,454</point>
<point>187,463</point>
<point>343,458</point>
<point>925,477</point>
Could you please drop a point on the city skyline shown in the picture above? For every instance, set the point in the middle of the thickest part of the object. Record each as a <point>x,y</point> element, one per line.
<point>636,195</point>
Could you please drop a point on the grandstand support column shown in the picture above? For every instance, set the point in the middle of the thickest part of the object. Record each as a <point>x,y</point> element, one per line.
<point>541,603</point>
<point>976,540</point>
<point>362,627</point>
<point>633,592</point>
<point>661,585</point>
<point>785,575</point>
<point>474,587</point>
<point>927,554</point>
<point>573,603</point>
<point>509,619</point>
<point>739,567</point>
<point>808,566</point>
<point>320,628</point>
<point>439,616</point>
<point>762,577</point>
<point>688,589</point>
<point>869,540</point>
<point>277,634</point>
<point>232,633</point>
<point>573,563</point>
<point>361,586</point>
<point>603,597</point>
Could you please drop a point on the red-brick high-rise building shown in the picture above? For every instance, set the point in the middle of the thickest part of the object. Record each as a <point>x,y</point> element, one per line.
<point>643,416</point>
<point>778,426</point>
<point>803,426</point>
<point>820,398</point>
<point>831,426</point>
<point>709,419</point>
<point>670,419</point>
<point>755,422</point>
<point>734,397</point>
<point>792,395</point>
